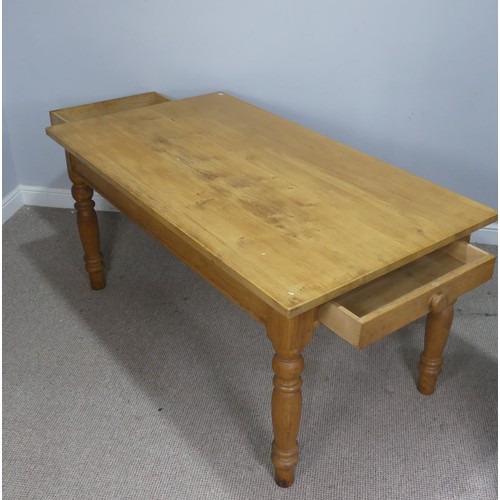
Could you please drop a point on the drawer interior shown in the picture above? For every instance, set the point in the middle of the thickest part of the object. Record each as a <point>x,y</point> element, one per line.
<point>390,302</point>
<point>406,279</point>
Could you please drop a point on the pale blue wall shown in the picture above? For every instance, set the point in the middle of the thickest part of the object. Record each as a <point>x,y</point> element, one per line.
<point>9,177</point>
<point>412,82</point>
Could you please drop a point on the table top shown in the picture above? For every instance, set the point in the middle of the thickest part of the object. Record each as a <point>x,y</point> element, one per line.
<point>294,216</point>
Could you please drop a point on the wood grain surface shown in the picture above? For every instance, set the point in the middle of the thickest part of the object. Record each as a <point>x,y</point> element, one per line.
<point>293,216</point>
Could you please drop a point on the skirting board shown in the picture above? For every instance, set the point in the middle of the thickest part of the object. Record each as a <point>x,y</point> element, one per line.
<point>45,197</point>
<point>61,198</point>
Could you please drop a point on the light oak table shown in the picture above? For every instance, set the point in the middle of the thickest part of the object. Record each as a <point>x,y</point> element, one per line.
<point>292,226</point>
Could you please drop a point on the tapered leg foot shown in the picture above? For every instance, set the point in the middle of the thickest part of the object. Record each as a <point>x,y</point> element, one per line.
<point>289,337</point>
<point>88,226</point>
<point>437,329</point>
<point>284,477</point>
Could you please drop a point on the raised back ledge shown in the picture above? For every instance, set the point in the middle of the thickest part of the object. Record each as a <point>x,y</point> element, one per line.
<point>94,109</point>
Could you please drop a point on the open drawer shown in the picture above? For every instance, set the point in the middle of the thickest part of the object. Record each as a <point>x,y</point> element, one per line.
<point>94,109</point>
<point>376,309</point>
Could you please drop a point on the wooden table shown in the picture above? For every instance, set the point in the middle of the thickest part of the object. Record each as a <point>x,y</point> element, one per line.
<point>292,226</point>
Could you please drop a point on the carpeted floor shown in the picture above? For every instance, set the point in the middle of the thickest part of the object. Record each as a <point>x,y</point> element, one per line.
<point>159,388</point>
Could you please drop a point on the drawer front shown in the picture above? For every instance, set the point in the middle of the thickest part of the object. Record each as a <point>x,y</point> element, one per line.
<point>381,307</point>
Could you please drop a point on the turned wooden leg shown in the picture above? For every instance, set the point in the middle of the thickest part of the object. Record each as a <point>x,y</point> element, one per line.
<point>87,226</point>
<point>437,328</point>
<point>289,337</point>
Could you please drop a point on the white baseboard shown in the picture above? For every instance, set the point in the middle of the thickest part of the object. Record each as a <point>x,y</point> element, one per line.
<point>487,235</point>
<point>61,198</point>
<point>45,197</point>
<point>58,198</point>
<point>12,203</point>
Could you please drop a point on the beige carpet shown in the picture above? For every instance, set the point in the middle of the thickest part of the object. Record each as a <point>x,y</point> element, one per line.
<point>159,388</point>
